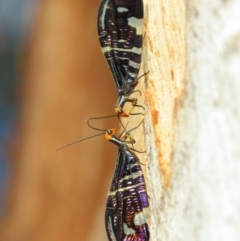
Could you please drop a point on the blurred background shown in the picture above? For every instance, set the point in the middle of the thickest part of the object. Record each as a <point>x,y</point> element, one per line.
<point>53,77</point>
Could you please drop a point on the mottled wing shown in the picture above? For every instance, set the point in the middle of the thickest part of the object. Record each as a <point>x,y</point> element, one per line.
<point>114,205</point>
<point>127,201</point>
<point>120,27</point>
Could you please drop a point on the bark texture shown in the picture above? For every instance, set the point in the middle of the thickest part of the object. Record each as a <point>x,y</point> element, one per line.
<point>192,129</point>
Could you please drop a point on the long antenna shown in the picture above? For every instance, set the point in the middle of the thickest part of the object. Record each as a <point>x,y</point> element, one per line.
<point>132,141</point>
<point>98,118</point>
<point>80,141</point>
<point>135,127</point>
<point>137,150</point>
<point>104,132</point>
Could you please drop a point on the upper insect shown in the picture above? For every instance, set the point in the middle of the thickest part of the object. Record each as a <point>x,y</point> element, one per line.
<point>120,29</point>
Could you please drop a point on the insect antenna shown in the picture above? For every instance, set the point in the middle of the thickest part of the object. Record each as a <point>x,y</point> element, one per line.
<point>84,139</point>
<point>98,118</point>
<point>134,128</point>
<point>127,136</point>
<point>127,133</point>
<point>124,129</point>
<point>131,140</point>
<point>104,117</point>
<point>142,75</point>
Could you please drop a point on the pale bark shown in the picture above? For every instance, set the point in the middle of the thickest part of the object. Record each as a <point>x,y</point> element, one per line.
<point>192,128</point>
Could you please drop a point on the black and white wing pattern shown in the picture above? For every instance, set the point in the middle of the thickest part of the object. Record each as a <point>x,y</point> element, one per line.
<point>127,202</point>
<point>120,30</point>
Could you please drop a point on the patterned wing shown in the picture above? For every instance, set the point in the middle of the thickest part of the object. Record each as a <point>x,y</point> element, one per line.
<point>114,205</point>
<point>127,201</point>
<point>120,27</point>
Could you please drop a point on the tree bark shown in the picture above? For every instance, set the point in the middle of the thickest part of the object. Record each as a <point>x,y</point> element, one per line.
<point>192,127</point>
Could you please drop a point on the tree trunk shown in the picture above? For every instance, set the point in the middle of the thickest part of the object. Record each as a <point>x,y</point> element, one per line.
<point>192,128</point>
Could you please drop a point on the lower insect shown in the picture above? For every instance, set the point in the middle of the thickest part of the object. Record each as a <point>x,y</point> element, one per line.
<point>127,202</point>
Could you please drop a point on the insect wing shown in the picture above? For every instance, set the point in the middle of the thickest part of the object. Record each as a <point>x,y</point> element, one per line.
<point>114,205</point>
<point>127,201</point>
<point>120,27</point>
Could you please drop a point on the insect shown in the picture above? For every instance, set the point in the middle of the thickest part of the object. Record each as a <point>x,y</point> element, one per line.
<point>127,202</point>
<point>120,29</point>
